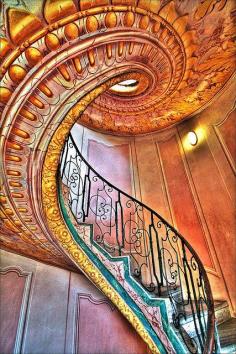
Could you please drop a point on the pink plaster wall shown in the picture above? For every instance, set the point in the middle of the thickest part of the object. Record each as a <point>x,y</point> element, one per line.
<point>11,295</point>
<point>65,313</point>
<point>106,328</point>
<point>118,170</point>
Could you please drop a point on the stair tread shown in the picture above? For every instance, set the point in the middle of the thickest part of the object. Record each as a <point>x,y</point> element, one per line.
<point>227,332</point>
<point>217,305</point>
<point>220,304</point>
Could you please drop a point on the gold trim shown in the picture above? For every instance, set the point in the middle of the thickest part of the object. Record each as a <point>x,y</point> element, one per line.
<point>56,222</point>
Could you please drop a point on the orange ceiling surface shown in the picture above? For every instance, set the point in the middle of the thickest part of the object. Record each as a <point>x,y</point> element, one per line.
<point>181,54</point>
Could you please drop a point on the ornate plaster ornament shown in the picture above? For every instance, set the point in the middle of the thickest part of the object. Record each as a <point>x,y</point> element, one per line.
<point>181,53</point>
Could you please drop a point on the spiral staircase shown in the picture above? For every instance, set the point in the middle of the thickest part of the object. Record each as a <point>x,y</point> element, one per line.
<point>59,63</point>
<point>147,261</point>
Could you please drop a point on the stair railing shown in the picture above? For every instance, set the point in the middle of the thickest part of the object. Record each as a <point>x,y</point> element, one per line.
<point>161,260</point>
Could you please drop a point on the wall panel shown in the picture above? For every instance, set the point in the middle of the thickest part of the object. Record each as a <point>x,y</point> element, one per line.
<point>118,170</point>
<point>12,285</point>
<point>227,131</point>
<point>46,325</point>
<point>183,204</point>
<point>152,186</point>
<point>63,313</point>
<point>108,331</point>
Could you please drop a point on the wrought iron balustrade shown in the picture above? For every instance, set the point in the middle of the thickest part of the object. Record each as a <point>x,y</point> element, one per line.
<point>161,260</point>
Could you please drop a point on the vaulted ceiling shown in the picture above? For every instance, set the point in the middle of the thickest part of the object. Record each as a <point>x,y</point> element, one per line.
<point>180,54</point>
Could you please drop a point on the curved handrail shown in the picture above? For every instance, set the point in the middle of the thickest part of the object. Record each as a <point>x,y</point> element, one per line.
<point>158,252</point>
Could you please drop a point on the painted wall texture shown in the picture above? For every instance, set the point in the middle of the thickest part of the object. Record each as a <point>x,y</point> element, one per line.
<point>45,309</point>
<point>191,187</point>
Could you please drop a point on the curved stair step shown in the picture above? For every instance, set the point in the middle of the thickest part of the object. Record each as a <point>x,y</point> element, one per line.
<point>227,336</point>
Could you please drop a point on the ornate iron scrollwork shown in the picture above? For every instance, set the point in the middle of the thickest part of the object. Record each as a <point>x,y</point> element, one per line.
<point>161,260</point>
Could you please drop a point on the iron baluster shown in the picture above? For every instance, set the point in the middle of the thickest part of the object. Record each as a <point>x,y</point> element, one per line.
<point>185,262</point>
<point>157,252</point>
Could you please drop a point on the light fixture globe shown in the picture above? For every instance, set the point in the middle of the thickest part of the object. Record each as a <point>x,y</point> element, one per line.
<point>192,138</point>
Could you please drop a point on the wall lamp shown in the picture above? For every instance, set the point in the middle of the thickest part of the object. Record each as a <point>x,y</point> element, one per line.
<point>192,138</point>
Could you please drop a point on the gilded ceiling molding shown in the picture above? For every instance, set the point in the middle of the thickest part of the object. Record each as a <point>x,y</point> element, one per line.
<point>45,78</point>
<point>181,55</point>
<point>189,61</point>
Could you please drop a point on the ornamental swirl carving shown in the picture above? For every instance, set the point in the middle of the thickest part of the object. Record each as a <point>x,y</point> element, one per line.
<point>58,226</point>
<point>181,54</point>
<point>186,62</point>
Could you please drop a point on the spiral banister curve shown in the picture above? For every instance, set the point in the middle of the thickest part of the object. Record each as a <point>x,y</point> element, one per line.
<point>55,56</point>
<point>161,260</point>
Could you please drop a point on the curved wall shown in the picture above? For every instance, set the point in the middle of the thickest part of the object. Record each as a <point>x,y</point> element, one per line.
<point>191,187</point>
